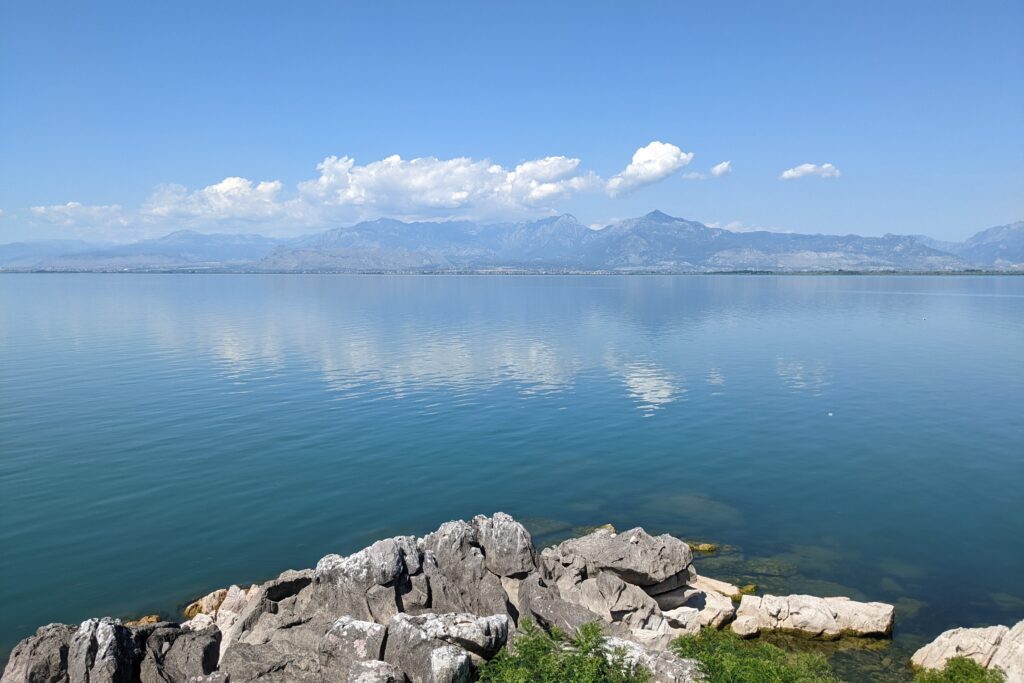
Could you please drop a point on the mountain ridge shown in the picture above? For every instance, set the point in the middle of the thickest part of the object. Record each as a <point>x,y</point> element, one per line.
<point>654,242</point>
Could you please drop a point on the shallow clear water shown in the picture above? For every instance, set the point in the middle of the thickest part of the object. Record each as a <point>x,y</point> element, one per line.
<point>163,435</point>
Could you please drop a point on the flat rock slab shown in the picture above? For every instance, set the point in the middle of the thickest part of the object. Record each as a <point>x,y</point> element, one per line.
<point>825,618</point>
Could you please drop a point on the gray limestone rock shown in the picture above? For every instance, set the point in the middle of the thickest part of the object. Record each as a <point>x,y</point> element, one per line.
<point>997,647</point>
<point>664,667</point>
<point>371,671</point>
<point>413,646</point>
<point>634,555</point>
<point>347,642</point>
<point>42,657</point>
<point>825,618</point>
<point>103,651</point>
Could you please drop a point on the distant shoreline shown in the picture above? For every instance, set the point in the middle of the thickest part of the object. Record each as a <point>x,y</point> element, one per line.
<point>515,272</point>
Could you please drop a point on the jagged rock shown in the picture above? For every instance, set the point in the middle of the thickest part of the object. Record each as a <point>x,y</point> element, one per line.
<point>282,603</point>
<point>992,647</point>
<point>269,663</point>
<point>371,671</point>
<point>363,585</point>
<point>825,618</point>
<point>635,556</point>
<point>481,637</point>
<point>543,604</point>
<point>174,655</point>
<point>508,547</point>
<point>278,631</point>
<point>456,569</point>
<point>563,572</point>
<point>102,651</point>
<point>227,613</point>
<point>615,600</point>
<point>664,667</point>
<point>1009,657</point>
<point>414,647</point>
<point>40,657</point>
<point>207,604</point>
<point>349,641</point>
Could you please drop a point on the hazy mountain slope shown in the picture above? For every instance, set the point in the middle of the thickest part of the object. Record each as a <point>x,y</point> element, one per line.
<point>653,242</point>
<point>179,249</point>
<point>30,254</point>
<point>999,247</point>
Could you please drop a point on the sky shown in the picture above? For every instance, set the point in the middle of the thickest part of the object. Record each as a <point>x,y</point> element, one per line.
<point>128,120</point>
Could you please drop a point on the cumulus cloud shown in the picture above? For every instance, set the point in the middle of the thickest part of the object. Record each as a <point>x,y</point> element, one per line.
<point>824,171</point>
<point>231,199</point>
<point>719,170</point>
<point>428,184</point>
<point>343,190</point>
<point>651,163</point>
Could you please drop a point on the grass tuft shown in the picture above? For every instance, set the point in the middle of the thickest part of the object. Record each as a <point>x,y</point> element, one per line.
<point>960,670</point>
<point>536,656</point>
<point>724,657</point>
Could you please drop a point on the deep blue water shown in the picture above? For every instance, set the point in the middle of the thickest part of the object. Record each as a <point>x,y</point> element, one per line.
<point>164,435</point>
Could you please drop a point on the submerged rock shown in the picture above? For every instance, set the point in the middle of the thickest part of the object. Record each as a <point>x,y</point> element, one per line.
<point>997,647</point>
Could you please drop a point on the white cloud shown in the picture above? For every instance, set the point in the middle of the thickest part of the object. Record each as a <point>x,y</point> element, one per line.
<point>651,163</point>
<point>693,175</point>
<point>231,199</point>
<point>346,191</point>
<point>79,217</point>
<point>719,170</point>
<point>825,171</point>
<point>427,185</point>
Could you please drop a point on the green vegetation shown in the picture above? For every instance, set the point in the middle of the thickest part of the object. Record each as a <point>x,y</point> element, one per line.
<point>724,657</point>
<point>960,670</point>
<point>535,656</point>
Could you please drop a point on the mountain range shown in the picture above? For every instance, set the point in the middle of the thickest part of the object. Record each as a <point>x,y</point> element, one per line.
<point>655,242</point>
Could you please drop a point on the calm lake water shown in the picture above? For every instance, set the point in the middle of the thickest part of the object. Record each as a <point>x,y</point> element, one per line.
<point>164,435</point>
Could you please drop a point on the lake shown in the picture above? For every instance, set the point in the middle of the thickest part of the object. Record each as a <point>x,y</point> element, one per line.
<point>165,435</point>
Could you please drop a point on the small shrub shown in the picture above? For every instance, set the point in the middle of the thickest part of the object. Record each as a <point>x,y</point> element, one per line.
<point>960,670</point>
<point>724,657</point>
<point>535,656</point>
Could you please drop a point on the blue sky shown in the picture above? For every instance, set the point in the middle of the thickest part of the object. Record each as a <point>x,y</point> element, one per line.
<point>123,120</point>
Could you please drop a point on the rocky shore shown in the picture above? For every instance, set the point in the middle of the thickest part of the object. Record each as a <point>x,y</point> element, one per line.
<point>433,609</point>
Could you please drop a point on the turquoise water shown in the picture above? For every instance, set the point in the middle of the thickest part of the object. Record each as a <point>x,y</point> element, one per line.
<point>163,435</point>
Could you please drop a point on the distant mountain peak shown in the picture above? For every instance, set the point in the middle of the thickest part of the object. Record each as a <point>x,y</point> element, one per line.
<point>654,242</point>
